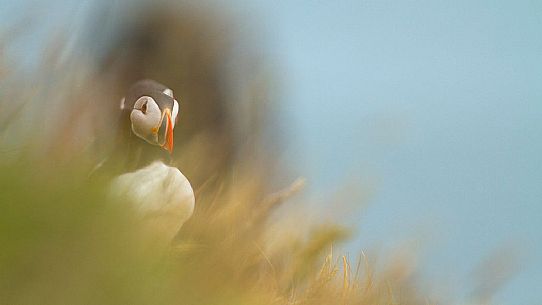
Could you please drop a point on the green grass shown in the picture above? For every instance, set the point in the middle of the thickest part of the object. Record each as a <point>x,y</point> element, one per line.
<point>64,242</point>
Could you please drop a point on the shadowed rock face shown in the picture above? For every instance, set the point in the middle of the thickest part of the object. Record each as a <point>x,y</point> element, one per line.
<point>179,49</point>
<point>186,49</point>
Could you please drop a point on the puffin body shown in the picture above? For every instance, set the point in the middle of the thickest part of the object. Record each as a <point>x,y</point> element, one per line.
<point>159,193</point>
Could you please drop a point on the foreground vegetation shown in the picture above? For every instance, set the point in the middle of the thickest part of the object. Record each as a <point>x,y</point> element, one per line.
<point>64,242</point>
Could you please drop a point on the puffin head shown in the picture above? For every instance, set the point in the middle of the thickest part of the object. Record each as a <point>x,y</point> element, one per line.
<point>152,111</point>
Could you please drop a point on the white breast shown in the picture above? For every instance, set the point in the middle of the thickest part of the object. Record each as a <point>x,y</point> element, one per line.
<point>161,195</point>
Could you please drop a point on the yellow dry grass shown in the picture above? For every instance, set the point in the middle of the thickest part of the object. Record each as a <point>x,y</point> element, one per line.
<point>63,241</point>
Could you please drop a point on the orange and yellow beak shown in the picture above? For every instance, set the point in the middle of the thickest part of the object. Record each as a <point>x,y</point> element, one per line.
<point>167,125</point>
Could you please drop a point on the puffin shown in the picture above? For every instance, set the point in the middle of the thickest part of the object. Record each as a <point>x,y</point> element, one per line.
<point>159,193</point>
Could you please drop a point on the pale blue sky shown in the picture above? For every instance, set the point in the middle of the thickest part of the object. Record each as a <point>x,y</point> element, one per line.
<point>438,102</point>
<point>441,102</point>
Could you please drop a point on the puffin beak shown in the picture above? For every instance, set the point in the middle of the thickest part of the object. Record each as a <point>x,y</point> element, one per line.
<point>169,133</point>
<point>168,144</point>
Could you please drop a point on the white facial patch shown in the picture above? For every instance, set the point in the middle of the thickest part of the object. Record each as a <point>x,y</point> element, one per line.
<point>174,112</point>
<point>122,103</point>
<point>168,92</point>
<point>145,118</point>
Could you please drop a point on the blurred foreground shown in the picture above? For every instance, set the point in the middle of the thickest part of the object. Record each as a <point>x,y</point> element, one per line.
<point>65,242</point>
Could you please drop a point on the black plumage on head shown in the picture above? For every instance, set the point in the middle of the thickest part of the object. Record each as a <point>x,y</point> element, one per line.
<point>150,88</point>
<point>131,152</point>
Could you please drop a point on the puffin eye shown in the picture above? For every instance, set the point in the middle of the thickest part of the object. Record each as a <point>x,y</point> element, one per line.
<point>144,108</point>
